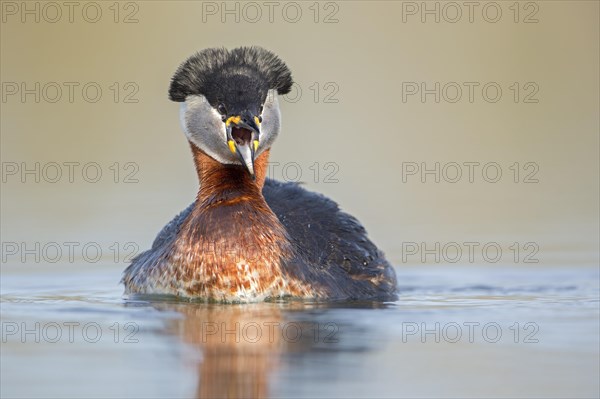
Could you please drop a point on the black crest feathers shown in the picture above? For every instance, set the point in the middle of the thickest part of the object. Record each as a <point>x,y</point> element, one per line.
<point>211,67</point>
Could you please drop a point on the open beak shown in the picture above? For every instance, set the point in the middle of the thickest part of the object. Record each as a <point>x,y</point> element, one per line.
<point>242,138</point>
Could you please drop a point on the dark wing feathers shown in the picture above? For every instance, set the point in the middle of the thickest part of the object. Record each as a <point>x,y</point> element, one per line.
<point>324,235</point>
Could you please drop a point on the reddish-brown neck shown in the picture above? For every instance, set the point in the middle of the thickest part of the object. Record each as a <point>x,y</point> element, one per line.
<point>228,183</point>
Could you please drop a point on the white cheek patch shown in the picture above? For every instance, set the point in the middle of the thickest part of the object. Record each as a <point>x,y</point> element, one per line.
<point>269,129</point>
<point>182,111</point>
<point>203,126</point>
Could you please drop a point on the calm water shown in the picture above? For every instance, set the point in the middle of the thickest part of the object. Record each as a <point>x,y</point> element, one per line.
<point>454,332</point>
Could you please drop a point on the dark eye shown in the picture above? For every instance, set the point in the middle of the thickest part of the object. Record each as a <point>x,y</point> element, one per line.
<point>221,108</point>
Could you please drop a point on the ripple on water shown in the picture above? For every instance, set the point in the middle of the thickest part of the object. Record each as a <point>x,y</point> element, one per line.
<point>346,349</point>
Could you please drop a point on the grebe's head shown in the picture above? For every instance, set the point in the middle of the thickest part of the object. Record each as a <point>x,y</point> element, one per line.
<point>229,101</point>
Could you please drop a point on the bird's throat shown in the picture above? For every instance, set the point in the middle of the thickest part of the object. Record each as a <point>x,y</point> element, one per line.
<point>222,183</point>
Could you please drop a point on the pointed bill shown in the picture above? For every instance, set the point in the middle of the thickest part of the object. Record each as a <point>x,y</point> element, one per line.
<point>246,154</point>
<point>243,140</point>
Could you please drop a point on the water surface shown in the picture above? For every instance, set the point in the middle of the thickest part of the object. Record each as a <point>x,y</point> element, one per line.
<point>454,332</point>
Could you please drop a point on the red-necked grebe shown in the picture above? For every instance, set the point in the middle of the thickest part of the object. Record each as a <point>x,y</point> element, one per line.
<point>247,238</point>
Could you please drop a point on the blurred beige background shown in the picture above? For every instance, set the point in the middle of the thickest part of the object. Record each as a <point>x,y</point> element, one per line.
<point>361,119</point>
